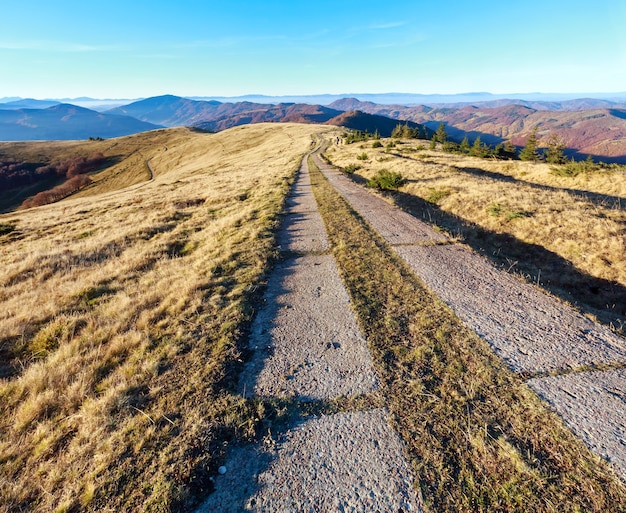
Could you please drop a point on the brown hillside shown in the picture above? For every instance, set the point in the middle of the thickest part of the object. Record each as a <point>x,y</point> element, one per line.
<point>600,132</point>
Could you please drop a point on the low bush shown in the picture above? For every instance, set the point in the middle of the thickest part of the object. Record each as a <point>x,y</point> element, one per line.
<point>386,180</point>
<point>6,228</point>
<point>351,168</point>
<point>436,195</point>
<point>362,156</point>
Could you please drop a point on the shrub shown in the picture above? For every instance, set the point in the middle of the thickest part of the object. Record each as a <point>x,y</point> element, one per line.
<point>436,195</point>
<point>351,168</point>
<point>574,168</point>
<point>377,144</point>
<point>6,228</point>
<point>386,180</point>
<point>495,209</point>
<point>362,156</point>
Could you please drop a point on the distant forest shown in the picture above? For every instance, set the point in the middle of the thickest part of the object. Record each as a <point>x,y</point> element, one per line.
<point>14,174</point>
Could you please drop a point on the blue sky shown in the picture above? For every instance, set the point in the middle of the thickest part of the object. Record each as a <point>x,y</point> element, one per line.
<point>140,48</point>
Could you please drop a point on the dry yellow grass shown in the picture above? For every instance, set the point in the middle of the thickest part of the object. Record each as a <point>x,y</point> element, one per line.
<point>120,314</point>
<point>556,230</point>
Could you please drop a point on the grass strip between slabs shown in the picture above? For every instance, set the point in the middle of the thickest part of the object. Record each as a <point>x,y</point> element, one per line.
<point>478,438</point>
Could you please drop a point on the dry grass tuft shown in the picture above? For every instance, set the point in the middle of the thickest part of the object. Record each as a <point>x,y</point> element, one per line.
<point>121,313</point>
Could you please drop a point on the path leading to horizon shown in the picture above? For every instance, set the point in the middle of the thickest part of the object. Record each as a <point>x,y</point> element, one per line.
<point>575,364</point>
<point>308,350</point>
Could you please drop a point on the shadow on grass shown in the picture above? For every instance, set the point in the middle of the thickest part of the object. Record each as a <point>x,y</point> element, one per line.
<point>602,298</point>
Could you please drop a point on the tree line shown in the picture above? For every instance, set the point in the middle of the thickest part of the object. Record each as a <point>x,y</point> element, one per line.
<point>57,193</point>
<point>15,174</point>
<point>74,170</point>
<point>554,153</point>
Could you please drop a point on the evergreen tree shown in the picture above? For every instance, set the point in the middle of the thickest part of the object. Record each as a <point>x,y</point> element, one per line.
<point>555,153</point>
<point>509,150</point>
<point>529,151</point>
<point>433,142</point>
<point>397,132</point>
<point>479,149</point>
<point>440,135</point>
<point>465,146</point>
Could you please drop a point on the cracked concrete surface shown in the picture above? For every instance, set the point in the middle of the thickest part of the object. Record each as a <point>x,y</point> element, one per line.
<point>307,346</point>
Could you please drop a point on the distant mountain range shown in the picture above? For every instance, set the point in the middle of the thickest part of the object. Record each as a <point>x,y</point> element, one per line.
<point>64,121</point>
<point>551,100</point>
<point>215,116</point>
<point>588,126</point>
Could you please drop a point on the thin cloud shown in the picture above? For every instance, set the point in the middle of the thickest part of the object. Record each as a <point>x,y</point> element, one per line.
<point>386,26</point>
<point>57,46</point>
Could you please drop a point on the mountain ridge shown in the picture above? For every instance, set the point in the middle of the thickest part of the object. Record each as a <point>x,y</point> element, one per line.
<point>65,122</point>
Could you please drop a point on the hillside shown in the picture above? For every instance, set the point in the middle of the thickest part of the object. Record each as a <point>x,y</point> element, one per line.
<point>168,110</point>
<point>124,162</point>
<point>563,231</point>
<point>125,312</point>
<point>597,132</point>
<point>214,116</point>
<point>65,122</point>
<point>121,318</point>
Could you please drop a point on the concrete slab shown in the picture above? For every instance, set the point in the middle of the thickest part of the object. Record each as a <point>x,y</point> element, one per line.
<point>531,331</point>
<point>392,223</point>
<point>303,233</point>
<point>305,338</point>
<point>345,462</point>
<point>593,405</point>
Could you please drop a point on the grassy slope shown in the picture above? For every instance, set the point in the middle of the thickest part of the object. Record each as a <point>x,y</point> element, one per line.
<point>566,233</point>
<point>120,317</point>
<point>479,439</point>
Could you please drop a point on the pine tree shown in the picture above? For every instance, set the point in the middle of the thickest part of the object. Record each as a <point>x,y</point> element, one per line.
<point>555,153</point>
<point>397,131</point>
<point>465,146</point>
<point>510,151</point>
<point>529,152</point>
<point>441,135</point>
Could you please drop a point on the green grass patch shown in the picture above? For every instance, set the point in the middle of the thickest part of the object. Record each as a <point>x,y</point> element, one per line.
<point>478,438</point>
<point>437,195</point>
<point>497,210</point>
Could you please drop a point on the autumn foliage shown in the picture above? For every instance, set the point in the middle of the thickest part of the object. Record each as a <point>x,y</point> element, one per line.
<point>75,169</point>
<point>57,193</point>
